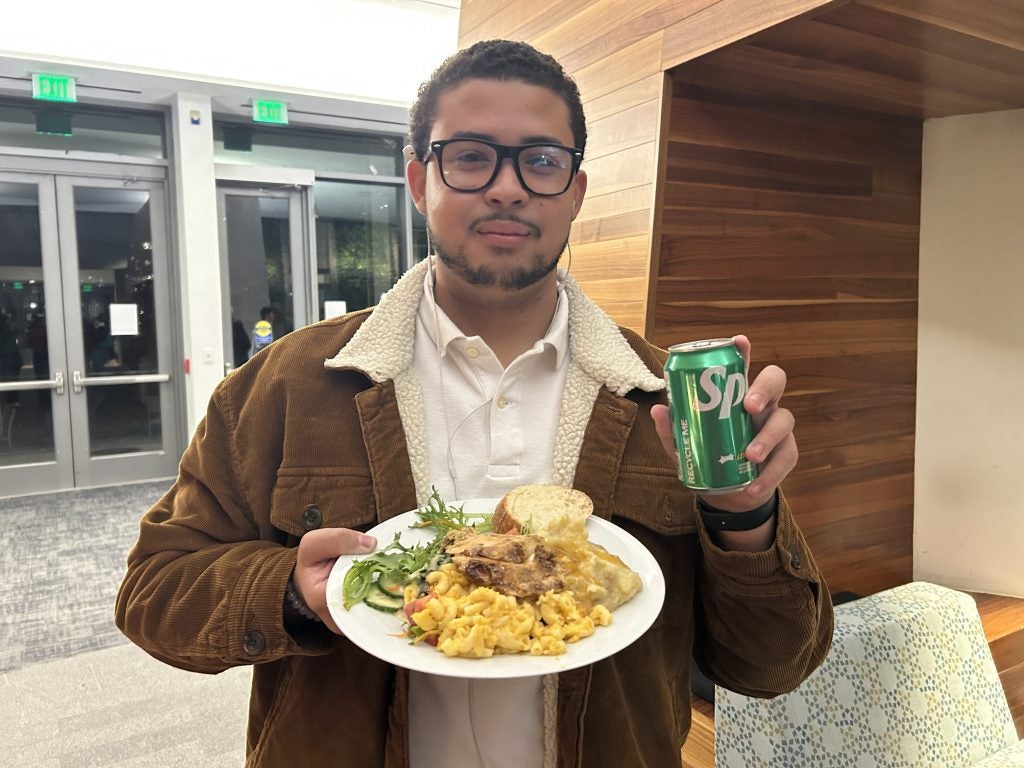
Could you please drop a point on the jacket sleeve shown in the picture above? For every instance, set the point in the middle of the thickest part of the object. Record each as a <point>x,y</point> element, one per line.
<point>764,619</point>
<point>205,582</point>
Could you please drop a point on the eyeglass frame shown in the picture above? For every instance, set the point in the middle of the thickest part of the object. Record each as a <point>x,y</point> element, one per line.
<point>510,151</point>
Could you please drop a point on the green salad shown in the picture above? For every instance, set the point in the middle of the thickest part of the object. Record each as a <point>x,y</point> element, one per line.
<point>380,579</point>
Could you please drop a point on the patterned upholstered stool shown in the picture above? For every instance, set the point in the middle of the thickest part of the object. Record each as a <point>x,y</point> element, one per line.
<point>909,683</point>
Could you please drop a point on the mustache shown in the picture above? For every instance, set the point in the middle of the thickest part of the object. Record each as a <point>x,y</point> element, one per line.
<point>506,217</point>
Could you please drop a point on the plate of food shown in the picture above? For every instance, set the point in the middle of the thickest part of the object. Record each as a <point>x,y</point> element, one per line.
<point>528,584</point>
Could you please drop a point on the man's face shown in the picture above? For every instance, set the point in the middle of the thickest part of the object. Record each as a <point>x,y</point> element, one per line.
<point>502,236</point>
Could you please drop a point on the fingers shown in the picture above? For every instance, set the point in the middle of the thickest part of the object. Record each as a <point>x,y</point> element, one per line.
<point>743,344</point>
<point>318,550</point>
<point>775,452</point>
<point>663,426</point>
<point>328,543</point>
<point>764,392</point>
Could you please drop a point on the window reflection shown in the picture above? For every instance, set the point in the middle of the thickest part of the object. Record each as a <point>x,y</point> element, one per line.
<point>358,243</point>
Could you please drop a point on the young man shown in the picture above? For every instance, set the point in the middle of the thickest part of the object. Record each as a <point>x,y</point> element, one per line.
<point>481,370</point>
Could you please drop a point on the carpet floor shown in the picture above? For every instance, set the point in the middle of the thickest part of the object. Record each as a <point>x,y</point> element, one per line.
<point>73,691</point>
<point>63,560</point>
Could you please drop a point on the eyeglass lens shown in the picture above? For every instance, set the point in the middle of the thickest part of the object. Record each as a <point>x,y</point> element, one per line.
<point>470,166</point>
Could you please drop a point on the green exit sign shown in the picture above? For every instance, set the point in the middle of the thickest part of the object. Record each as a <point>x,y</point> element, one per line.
<point>264,111</point>
<point>53,87</point>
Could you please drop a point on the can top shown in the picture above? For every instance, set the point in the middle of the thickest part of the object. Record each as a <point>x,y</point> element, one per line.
<point>700,346</point>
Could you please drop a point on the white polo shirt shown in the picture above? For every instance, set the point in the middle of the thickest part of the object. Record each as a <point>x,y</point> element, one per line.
<point>489,429</point>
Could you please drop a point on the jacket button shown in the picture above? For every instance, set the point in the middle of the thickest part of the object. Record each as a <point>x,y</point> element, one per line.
<point>311,517</point>
<point>254,643</point>
<point>796,560</point>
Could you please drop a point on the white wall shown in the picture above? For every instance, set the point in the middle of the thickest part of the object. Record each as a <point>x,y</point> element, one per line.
<point>968,480</point>
<point>378,50</point>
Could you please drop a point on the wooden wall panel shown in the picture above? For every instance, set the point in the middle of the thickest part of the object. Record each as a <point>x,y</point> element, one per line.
<point>801,231</point>
<point>610,174</point>
<point>997,21</point>
<point>729,21</point>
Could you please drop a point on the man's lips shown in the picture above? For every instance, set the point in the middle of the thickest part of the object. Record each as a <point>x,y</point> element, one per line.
<point>511,230</point>
<point>505,230</point>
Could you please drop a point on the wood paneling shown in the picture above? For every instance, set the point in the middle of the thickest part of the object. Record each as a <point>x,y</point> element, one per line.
<point>729,21</point>
<point>699,750</point>
<point>1003,618</point>
<point>915,58</point>
<point>799,227</point>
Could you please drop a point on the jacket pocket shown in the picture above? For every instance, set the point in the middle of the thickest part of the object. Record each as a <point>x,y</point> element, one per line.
<point>307,498</point>
<point>655,499</point>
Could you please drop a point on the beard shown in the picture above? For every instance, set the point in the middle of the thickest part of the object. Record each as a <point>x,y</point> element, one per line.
<point>510,279</point>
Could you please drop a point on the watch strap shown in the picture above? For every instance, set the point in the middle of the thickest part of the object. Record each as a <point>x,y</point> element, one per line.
<point>719,520</point>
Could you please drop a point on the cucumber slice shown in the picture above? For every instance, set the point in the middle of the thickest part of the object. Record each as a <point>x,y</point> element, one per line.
<point>392,582</point>
<point>382,600</point>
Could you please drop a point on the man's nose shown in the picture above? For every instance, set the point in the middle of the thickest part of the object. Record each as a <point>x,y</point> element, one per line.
<point>506,188</point>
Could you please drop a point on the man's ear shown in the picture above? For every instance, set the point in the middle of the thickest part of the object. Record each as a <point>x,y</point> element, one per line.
<point>579,191</point>
<point>416,177</point>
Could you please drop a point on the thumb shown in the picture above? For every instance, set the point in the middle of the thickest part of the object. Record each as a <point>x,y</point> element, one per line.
<point>329,543</point>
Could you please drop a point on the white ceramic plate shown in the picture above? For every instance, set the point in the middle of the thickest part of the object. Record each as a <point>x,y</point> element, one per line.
<point>370,629</point>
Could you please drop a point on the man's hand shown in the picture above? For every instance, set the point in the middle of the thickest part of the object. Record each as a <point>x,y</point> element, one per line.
<point>317,552</point>
<point>773,448</point>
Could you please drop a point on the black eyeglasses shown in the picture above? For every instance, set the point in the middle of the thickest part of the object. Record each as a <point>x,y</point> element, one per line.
<point>470,165</point>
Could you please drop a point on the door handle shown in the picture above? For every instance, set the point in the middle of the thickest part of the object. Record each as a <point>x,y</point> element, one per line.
<point>80,382</point>
<point>57,383</point>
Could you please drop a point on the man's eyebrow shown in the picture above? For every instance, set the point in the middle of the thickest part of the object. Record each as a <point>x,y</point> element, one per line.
<point>491,138</point>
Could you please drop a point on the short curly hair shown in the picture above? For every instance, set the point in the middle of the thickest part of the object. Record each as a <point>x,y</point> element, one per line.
<point>502,60</point>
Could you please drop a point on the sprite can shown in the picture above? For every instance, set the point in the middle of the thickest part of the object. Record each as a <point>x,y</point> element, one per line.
<point>706,384</point>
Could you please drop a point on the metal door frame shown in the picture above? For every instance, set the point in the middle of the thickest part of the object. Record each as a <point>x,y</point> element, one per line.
<point>295,186</point>
<point>72,466</point>
<point>103,470</point>
<point>59,473</point>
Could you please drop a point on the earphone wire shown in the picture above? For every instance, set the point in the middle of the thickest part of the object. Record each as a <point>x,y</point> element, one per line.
<point>449,433</point>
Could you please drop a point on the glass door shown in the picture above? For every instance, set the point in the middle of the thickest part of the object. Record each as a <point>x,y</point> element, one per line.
<point>35,427</point>
<point>264,267</point>
<point>84,286</point>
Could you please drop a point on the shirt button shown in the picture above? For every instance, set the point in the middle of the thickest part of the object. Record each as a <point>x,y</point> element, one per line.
<point>502,402</point>
<point>254,644</point>
<point>311,517</point>
<point>795,559</point>
<point>472,351</point>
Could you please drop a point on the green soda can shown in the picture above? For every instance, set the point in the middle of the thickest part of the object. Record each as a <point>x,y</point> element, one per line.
<point>706,384</point>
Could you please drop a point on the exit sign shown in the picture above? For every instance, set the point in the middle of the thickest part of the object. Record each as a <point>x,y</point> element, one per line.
<point>264,111</point>
<point>53,87</point>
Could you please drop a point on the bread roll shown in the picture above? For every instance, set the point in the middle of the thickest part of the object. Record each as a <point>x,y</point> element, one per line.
<point>552,511</point>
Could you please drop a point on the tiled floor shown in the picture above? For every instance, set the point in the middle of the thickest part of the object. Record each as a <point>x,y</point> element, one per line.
<point>73,691</point>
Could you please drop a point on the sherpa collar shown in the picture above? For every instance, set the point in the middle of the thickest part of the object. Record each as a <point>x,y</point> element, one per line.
<point>382,346</point>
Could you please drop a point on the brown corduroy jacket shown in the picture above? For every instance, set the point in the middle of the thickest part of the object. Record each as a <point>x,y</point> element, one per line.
<point>290,443</point>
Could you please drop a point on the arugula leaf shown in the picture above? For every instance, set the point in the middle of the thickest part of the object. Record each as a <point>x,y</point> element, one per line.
<point>405,565</point>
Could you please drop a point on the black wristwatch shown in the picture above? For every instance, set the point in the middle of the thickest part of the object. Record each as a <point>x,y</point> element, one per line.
<point>720,520</point>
